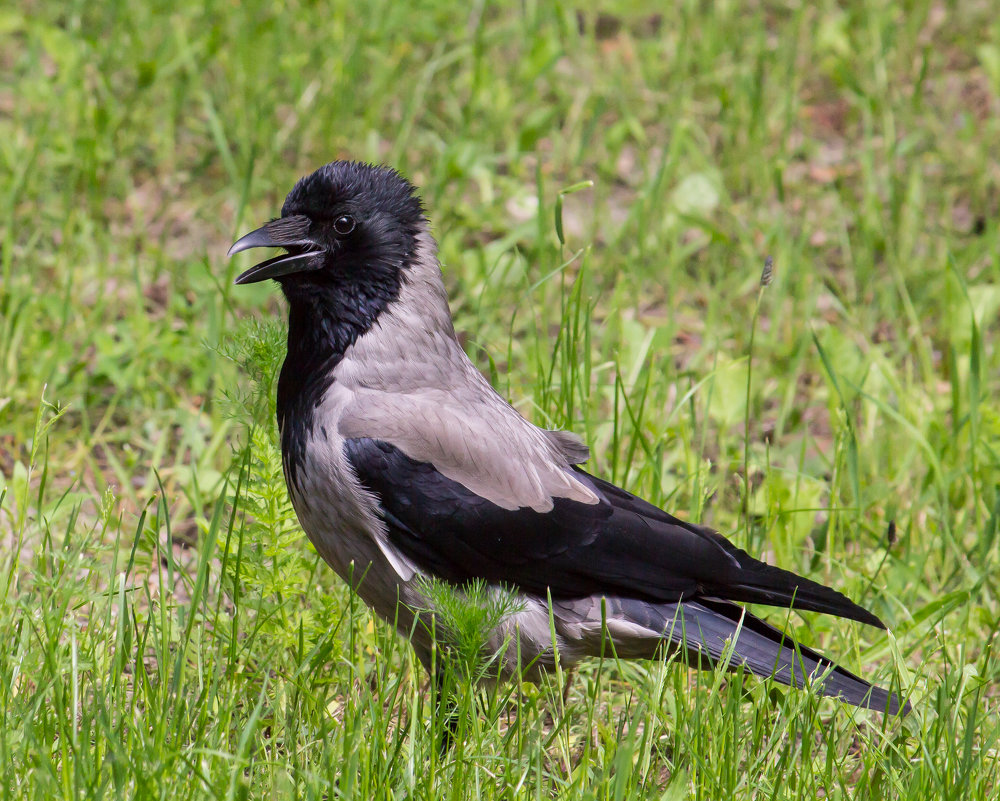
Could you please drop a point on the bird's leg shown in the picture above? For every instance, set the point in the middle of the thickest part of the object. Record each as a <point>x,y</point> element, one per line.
<point>445,710</point>
<point>570,675</point>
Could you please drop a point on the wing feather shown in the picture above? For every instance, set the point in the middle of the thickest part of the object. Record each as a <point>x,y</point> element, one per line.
<point>620,545</point>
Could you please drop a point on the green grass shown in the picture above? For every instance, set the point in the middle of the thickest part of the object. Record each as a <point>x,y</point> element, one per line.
<point>169,631</point>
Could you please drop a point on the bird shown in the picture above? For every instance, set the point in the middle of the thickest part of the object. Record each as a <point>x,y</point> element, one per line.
<point>404,464</point>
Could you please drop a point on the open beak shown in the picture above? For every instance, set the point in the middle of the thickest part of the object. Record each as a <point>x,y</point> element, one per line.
<point>291,233</point>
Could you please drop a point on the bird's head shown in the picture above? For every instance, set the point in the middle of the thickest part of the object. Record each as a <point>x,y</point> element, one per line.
<point>347,225</point>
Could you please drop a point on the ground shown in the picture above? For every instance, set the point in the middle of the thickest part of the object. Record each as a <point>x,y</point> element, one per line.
<point>169,630</point>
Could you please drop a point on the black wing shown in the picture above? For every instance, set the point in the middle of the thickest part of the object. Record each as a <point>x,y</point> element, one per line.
<point>620,546</point>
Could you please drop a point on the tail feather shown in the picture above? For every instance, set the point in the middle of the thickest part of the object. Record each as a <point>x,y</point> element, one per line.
<point>706,627</point>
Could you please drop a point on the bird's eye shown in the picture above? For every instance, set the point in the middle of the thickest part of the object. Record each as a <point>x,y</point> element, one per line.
<point>343,225</point>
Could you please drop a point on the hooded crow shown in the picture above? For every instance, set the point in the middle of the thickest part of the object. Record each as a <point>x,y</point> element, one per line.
<point>402,463</point>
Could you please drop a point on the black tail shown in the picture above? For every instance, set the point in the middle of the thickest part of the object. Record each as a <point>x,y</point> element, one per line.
<point>705,627</point>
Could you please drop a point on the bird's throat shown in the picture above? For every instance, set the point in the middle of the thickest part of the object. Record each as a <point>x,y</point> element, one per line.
<point>323,322</point>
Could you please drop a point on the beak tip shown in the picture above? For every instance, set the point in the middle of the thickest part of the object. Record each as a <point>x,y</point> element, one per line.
<point>244,243</point>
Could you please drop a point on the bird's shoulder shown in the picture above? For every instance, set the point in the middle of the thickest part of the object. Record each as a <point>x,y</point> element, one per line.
<point>443,412</point>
